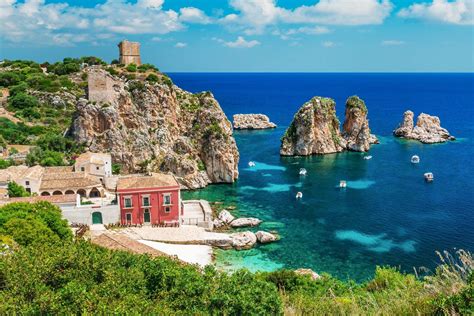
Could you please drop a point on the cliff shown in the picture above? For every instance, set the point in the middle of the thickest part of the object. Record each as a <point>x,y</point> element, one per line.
<point>315,129</point>
<point>151,126</point>
<point>427,130</point>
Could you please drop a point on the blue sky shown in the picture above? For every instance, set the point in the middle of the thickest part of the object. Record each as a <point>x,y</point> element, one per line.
<point>249,35</point>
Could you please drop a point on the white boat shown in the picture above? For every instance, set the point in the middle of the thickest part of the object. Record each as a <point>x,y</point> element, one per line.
<point>415,159</point>
<point>251,164</point>
<point>342,184</point>
<point>367,157</point>
<point>429,176</point>
<point>303,172</point>
<point>299,195</point>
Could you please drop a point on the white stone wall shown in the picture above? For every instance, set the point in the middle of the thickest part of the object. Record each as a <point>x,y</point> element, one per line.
<point>83,214</point>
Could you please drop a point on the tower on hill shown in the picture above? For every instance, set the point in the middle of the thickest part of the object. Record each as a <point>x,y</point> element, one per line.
<point>129,53</point>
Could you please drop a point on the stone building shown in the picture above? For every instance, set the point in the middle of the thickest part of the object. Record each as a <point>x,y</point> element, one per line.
<point>60,180</point>
<point>28,177</point>
<point>100,86</point>
<point>94,164</point>
<point>129,53</point>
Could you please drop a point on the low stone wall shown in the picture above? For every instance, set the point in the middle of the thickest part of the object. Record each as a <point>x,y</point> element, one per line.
<point>83,214</point>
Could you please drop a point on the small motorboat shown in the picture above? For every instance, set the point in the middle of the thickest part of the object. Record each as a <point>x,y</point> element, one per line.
<point>251,164</point>
<point>303,172</point>
<point>342,184</point>
<point>367,157</point>
<point>429,177</point>
<point>299,195</point>
<point>415,159</point>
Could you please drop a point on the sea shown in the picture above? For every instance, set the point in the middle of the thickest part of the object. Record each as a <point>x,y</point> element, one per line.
<point>387,215</point>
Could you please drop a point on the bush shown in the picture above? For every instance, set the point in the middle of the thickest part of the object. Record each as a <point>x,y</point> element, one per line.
<point>16,190</point>
<point>116,168</point>
<point>152,78</point>
<point>9,78</point>
<point>131,68</point>
<point>6,163</point>
<point>49,158</point>
<point>23,101</point>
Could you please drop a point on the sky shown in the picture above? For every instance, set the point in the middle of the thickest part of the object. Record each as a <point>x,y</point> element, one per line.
<point>248,35</point>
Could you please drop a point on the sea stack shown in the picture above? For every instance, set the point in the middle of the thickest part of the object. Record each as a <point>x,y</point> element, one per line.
<point>315,129</point>
<point>252,121</point>
<point>427,130</point>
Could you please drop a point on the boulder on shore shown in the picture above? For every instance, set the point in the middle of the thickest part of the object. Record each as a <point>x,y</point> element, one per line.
<point>245,222</point>
<point>315,129</point>
<point>252,121</point>
<point>311,273</point>
<point>225,217</point>
<point>427,130</point>
<point>243,240</point>
<point>265,237</point>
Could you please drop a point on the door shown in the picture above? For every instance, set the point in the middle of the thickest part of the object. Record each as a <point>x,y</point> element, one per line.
<point>146,216</point>
<point>97,218</point>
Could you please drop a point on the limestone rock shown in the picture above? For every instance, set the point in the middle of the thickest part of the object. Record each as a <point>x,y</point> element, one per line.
<point>217,223</point>
<point>373,139</point>
<point>252,121</point>
<point>356,129</point>
<point>265,237</point>
<point>427,130</point>
<point>157,127</point>
<point>225,217</point>
<point>309,272</point>
<point>314,130</point>
<point>243,240</point>
<point>245,222</point>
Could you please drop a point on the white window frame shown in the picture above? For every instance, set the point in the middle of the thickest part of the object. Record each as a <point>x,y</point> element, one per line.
<point>125,203</point>
<point>143,200</point>
<point>164,199</point>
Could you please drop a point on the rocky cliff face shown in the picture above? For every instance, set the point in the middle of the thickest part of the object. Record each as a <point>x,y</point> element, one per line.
<point>252,121</point>
<point>315,129</point>
<point>427,129</point>
<point>157,127</point>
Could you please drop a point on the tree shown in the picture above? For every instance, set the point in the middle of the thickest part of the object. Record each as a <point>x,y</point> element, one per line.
<point>22,101</point>
<point>116,168</point>
<point>16,190</point>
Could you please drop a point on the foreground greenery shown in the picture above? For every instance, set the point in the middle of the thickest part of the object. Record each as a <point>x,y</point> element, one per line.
<point>44,271</point>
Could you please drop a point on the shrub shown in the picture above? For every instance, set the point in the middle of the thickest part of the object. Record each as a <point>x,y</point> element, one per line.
<point>114,62</point>
<point>152,78</point>
<point>16,190</point>
<point>116,168</point>
<point>23,101</point>
<point>6,163</point>
<point>131,68</point>
<point>9,78</point>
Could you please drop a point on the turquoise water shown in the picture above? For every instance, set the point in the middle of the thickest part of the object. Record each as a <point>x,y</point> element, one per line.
<point>387,215</point>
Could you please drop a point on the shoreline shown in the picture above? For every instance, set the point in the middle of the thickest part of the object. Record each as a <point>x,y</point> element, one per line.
<point>201,255</point>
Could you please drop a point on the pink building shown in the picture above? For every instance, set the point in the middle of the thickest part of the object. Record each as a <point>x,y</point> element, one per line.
<point>153,200</point>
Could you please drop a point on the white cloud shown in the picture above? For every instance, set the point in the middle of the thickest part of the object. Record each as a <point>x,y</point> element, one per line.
<point>34,21</point>
<point>392,43</point>
<point>328,44</point>
<point>180,45</point>
<point>240,42</point>
<point>255,15</point>
<point>455,12</point>
<point>314,30</point>
<point>193,15</point>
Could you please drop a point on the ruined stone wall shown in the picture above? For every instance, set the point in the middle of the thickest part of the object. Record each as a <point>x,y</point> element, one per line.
<point>129,53</point>
<point>100,87</point>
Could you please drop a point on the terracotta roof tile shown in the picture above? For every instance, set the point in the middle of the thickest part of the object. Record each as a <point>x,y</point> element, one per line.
<point>68,180</point>
<point>145,181</point>
<point>55,199</point>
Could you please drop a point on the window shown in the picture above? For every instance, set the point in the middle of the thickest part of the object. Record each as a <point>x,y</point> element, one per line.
<point>167,199</point>
<point>127,202</point>
<point>167,209</point>
<point>28,190</point>
<point>82,169</point>
<point>97,168</point>
<point>128,217</point>
<point>146,201</point>
<point>27,182</point>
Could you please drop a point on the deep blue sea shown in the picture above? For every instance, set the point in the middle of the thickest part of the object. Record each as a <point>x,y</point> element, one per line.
<point>387,215</point>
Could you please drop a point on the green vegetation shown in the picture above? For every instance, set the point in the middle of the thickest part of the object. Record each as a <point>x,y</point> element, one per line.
<point>46,272</point>
<point>131,67</point>
<point>356,102</point>
<point>48,158</point>
<point>146,67</point>
<point>116,168</point>
<point>16,190</point>
<point>152,78</point>
<point>5,163</point>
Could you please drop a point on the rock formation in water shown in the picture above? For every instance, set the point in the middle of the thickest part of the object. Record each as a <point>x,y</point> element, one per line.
<point>252,121</point>
<point>427,130</point>
<point>315,129</point>
<point>149,126</point>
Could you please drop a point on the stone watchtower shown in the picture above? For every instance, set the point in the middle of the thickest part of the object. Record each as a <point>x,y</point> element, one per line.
<point>129,53</point>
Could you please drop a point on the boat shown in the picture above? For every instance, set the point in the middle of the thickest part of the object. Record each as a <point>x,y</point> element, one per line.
<point>429,176</point>
<point>251,164</point>
<point>303,172</point>
<point>367,157</point>
<point>299,195</point>
<point>415,159</point>
<point>342,184</point>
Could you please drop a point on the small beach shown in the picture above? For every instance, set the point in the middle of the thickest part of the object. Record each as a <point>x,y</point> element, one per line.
<point>193,254</point>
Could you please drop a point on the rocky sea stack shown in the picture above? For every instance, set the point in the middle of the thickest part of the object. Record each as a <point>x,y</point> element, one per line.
<point>315,129</point>
<point>252,121</point>
<point>156,126</point>
<point>427,130</point>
